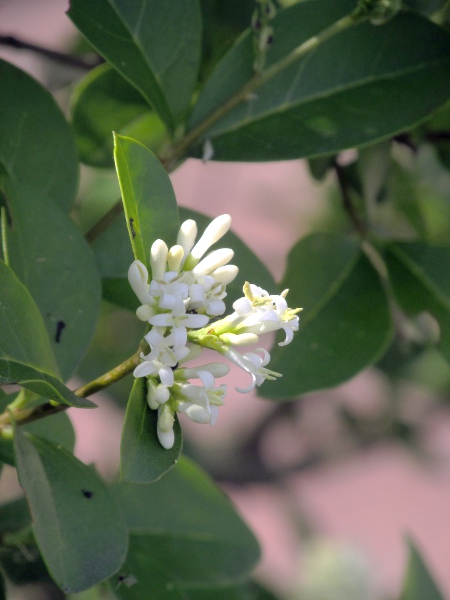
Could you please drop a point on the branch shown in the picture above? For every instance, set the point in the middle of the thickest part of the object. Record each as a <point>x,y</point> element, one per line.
<point>47,409</point>
<point>60,57</point>
<point>259,79</point>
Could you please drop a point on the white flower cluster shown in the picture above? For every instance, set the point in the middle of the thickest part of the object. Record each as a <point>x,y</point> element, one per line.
<point>185,292</point>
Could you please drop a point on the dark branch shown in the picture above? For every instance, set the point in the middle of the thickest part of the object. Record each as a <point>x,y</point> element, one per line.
<point>65,59</point>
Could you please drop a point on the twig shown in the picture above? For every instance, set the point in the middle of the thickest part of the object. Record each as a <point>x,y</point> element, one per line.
<point>104,222</point>
<point>65,59</point>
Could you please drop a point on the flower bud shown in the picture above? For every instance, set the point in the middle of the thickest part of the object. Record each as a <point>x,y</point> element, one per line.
<point>158,259</point>
<point>174,258</point>
<point>138,278</point>
<point>215,230</point>
<point>145,312</point>
<point>216,259</point>
<point>240,339</point>
<point>166,438</point>
<point>226,274</point>
<point>165,417</point>
<point>151,390</point>
<point>186,236</point>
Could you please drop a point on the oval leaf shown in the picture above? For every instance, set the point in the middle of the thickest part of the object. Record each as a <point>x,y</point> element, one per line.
<point>183,529</point>
<point>346,322</point>
<point>57,428</point>
<point>76,523</point>
<point>26,357</point>
<point>147,195</point>
<point>105,102</point>
<point>360,86</point>
<point>36,145</point>
<point>142,458</point>
<point>154,45</point>
<point>51,257</point>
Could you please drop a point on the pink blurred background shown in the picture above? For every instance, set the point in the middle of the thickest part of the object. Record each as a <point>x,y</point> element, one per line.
<point>358,505</point>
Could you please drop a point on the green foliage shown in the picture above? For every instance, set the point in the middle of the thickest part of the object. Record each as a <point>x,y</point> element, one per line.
<point>50,256</point>
<point>104,102</point>
<point>183,532</point>
<point>418,583</point>
<point>142,458</point>
<point>154,46</point>
<point>26,356</point>
<point>179,74</point>
<point>345,324</point>
<point>77,526</point>
<point>36,145</point>
<point>148,197</point>
<point>386,83</point>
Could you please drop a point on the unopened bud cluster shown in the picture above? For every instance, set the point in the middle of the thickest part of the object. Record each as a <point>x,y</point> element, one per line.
<point>182,302</point>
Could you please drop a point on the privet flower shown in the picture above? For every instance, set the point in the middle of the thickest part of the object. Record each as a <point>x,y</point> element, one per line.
<point>181,302</point>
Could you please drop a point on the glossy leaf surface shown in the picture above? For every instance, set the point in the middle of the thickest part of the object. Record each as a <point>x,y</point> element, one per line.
<point>142,458</point>
<point>147,195</point>
<point>419,583</point>
<point>76,523</point>
<point>154,45</point>
<point>420,278</point>
<point>183,529</point>
<point>29,115</point>
<point>105,102</point>
<point>51,257</point>
<point>362,85</point>
<point>345,325</point>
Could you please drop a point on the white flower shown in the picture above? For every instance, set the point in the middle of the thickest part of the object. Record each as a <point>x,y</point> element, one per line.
<point>253,364</point>
<point>258,312</point>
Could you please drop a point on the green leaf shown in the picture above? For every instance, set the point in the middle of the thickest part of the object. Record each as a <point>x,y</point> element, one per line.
<point>105,102</point>
<point>142,458</point>
<point>36,144</point>
<point>147,195</point>
<point>14,515</point>
<point>403,191</point>
<point>192,527</point>
<point>145,574</point>
<point>250,267</point>
<point>419,583</point>
<point>77,525</point>
<point>26,357</point>
<point>56,428</point>
<point>420,279</point>
<point>155,46</point>
<point>360,86</point>
<point>51,257</point>
<point>345,325</point>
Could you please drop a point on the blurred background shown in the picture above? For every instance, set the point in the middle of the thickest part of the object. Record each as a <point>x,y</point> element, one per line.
<point>333,483</point>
